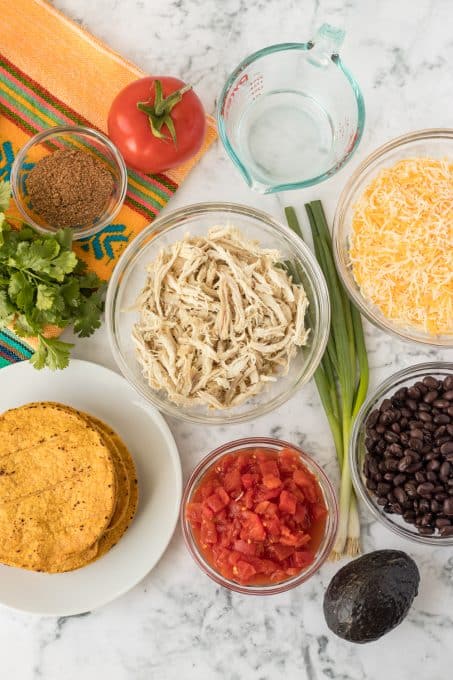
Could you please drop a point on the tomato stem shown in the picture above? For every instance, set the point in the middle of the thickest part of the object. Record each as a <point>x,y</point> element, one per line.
<point>159,111</point>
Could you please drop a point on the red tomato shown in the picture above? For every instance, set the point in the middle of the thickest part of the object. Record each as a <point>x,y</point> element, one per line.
<point>130,129</point>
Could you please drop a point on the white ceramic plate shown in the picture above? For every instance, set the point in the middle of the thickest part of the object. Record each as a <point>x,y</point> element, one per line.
<point>108,396</point>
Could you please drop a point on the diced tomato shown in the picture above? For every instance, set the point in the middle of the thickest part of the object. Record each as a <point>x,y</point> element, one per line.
<point>301,513</point>
<point>252,527</point>
<point>287,502</point>
<point>215,503</point>
<point>318,511</point>
<point>245,547</point>
<point>269,467</point>
<point>264,494</point>
<point>207,489</point>
<point>262,507</point>
<point>222,494</point>
<point>208,531</point>
<point>207,512</point>
<point>281,552</point>
<point>247,499</point>
<point>244,571</point>
<point>273,526</point>
<point>254,513</point>
<point>271,481</point>
<point>232,480</point>
<point>302,558</point>
<point>194,512</point>
<point>288,460</point>
<point>248,480</point>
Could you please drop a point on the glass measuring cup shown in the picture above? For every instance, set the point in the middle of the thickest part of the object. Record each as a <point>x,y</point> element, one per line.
<point>291,115</point>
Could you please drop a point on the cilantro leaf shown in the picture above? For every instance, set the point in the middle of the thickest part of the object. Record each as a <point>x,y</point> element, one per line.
<point>7,309</point>
<point>91,281</point>
<point>20,290</point>
<point>65,263</point>
<point>51,353</point>
<point>89,315</point>
<point>5,195</point>
<point>46,297</point>
<point>64,238</point>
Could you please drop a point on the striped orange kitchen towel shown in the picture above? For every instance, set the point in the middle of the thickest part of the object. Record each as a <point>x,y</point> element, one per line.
<point>52,72</point>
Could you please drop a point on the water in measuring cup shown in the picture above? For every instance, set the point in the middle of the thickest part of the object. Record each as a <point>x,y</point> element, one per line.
<point>285,137</point>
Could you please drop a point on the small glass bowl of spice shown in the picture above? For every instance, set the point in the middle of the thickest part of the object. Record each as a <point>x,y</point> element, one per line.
<point>69,177</point>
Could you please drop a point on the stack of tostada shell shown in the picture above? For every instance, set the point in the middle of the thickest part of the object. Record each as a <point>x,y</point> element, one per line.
<point>68,488</point>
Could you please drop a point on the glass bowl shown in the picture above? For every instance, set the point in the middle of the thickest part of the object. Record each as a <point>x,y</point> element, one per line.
<point>69,137</point>
<point>429,143</point>
<point>128,281</point>
<point>404,378</point>
<point>330,500</point>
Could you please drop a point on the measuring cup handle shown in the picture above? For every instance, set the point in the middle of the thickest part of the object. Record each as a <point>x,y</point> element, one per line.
<point>325,45</point>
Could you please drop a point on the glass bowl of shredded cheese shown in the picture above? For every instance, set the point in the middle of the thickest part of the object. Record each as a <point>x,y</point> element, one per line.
<point>217,313</point>
<point>393,237</point>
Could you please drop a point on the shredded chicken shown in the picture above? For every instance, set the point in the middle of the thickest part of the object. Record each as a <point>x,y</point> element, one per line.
<point>218,320</point>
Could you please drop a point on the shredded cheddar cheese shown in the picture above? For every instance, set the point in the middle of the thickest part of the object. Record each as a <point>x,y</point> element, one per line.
<point>401,245</point>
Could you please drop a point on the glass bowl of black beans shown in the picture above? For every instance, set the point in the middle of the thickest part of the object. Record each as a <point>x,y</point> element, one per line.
<point>401,453</point>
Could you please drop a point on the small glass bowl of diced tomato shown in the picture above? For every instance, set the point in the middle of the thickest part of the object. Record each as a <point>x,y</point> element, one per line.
<point>259,516</point>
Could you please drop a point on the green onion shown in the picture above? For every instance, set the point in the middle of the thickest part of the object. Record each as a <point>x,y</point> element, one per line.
<point>342,376</point>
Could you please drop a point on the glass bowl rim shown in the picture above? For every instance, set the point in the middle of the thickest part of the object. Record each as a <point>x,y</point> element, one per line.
<point>42,137</point>
<point>414,372</point>
<point>255,56</point>
<point>343,204</point>
<point>275,445</point>
<point>172,220</point>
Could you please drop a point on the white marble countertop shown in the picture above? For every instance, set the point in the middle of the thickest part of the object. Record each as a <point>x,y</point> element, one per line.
<point>177,624</point>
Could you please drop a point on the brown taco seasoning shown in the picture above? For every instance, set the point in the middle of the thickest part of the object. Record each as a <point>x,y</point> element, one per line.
<point>69,188</point>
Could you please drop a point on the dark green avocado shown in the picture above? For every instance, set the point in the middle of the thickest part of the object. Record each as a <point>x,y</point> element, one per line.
<point>371,595</point>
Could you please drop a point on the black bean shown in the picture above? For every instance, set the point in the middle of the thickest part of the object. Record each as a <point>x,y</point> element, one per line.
<point>430,476</point>
<point>446,531</point>
<point>414,393</point>
<point>448,382</point>
<point>435,506</point>
<point>450,411</point>
<point>424,505</point>
<point>442,522</point>
<point>381,500</point>
<point>400,494</point>
<point>373,418</point>
<point>371,484</point>
<point>441,430</point>
<point>430,382</point>
<point>425,489</point>
<point>411,489</point>
<point>448,395</point>
<point>395,449</point>
<point>383,488</point>
<point>391,437</point>
<point>389,476</point>
<point>447,507</point>
<point>441,496</point>
<point>425,417</point>
<point>426,531</point>
<point>399,479</point>
<point>450,429</point>
<point>391,464</point>
<point>420,477</point>
<point>386,404</point>
<point>414,467</point>
<point>445,470</point>
<point>446,447</point>
<point>441,403</point>
<point>433,465</point>
<point>404,463</point>
<point>426,519</point>
<point>442,419</point>
<point>411,404</point>
<point>417,433</point>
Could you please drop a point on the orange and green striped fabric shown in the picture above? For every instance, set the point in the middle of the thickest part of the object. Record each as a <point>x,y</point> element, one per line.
<point>52,73</point>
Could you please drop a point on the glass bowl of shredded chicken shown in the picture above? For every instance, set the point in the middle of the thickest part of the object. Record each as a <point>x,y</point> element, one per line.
<point>217,313</point>
<point>393,237</point>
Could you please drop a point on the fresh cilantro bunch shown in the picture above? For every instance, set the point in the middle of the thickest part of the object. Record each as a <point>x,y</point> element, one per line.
<point>43,282</point>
